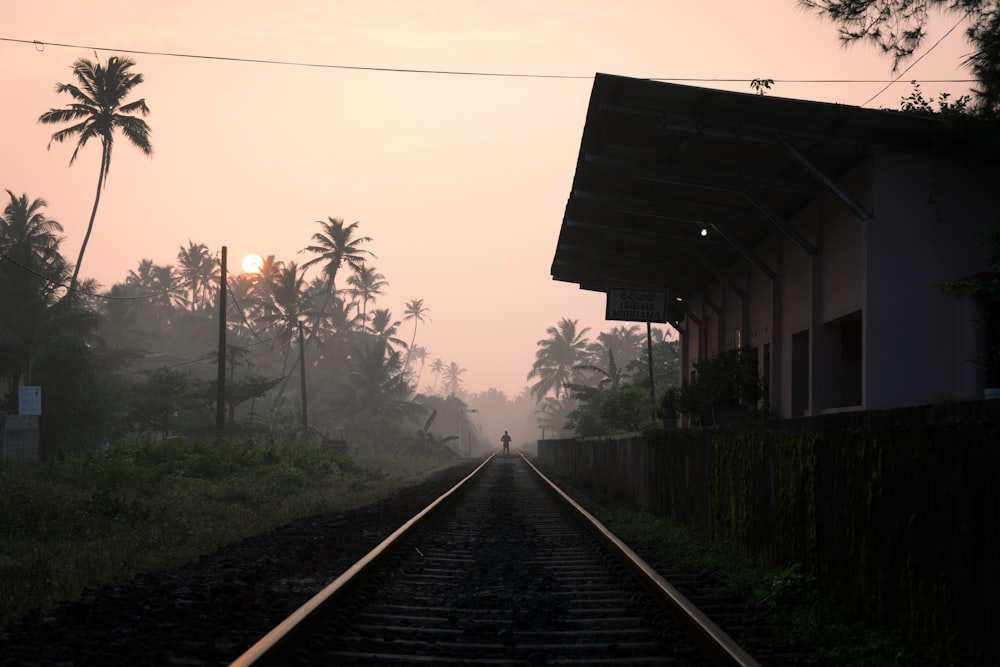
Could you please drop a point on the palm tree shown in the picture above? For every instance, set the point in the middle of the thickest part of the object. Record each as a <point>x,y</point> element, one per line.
<point>31,268</point>
<point>376,383</point>
<point>453,378</point>
<point>418,353</point>
<point>142,276</point>
<point>384,327</point>
<point>415,311</point>
<point>29,238</point>
<point>366,283</point>
<point>620,347</point>
<point>335,246</point>
<point>121,325</point>
<point>552,415</point>
<point>199,272</point>
<point>437,368</point>
<point>97,110</point>
<point>286,304</point>
<point>557,358</point>
<point>157,285</point>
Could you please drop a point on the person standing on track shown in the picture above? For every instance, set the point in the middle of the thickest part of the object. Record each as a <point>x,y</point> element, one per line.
<point>505,439</point>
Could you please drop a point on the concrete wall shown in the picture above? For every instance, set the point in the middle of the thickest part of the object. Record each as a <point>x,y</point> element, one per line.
<point>879,276</point>
<point>894,512</point>
<point>928,231</point>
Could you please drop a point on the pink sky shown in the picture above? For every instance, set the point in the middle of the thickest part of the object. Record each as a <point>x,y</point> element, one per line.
<point>461,180</point>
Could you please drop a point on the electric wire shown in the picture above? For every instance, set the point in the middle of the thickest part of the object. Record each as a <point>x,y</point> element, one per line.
<point>40,45</point>
<point>57,284</point>
<point>922,56</point>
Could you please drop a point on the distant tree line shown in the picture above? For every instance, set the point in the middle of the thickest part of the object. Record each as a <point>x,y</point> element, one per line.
<point>139,360</point>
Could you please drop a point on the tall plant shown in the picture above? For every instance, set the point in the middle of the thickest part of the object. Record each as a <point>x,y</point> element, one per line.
<point>97,110</point>
<point>729,380</point>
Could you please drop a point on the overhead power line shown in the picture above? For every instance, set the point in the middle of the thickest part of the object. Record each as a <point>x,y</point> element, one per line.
<point>40,45</point>
<point>922,56</point>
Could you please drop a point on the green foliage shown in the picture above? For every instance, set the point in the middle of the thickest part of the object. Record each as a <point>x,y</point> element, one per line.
<point>423,442</point>
<point>761,86</point>
<point>669,406</point>
<point>166,399</point>
<point>791,586</point>
<point>558,358</point>
<point>666,364</point>
<point>916,103</point>
<point>898,27</point>
<point>627,410</point>
<point>607,412</point>
<point>802,615</point>
<point>77,522</point>
<point>729,380</point>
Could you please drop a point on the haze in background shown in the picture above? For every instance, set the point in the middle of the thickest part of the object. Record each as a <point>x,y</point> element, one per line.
<point>460,179</point>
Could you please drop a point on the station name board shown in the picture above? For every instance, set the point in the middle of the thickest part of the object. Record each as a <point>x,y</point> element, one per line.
<point>633,305</point>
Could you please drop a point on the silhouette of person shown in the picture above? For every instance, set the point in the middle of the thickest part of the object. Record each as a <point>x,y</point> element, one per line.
<point>506,443</point>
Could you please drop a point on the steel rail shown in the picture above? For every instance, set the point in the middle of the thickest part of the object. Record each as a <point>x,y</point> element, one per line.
<point>264,651</point>
<point>700,628</point>
<point>711,639</point>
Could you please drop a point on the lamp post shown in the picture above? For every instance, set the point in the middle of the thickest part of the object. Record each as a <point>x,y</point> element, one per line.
<point>649,354</point>
<point>302,373</point>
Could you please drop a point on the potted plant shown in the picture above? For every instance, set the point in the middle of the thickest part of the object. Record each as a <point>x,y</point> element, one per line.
<point>667,410</point>
<point>726,388</point>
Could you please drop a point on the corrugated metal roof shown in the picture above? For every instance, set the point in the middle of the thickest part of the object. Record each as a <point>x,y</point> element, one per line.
<point>660,162</point>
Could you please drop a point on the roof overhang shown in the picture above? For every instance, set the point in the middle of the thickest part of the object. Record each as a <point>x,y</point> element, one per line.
<point>675,183</point>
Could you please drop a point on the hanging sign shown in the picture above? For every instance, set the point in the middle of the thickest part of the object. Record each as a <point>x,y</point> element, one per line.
<point>634,305</point>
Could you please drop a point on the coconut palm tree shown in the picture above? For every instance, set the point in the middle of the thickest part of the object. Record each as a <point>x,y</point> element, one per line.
<point>27,235</point>
<point>552,415</point>
<point>335,246</point>
<point>366,283</point>
<point>557,358</point>
<point>453,378</point>
<point>159,286</point>
<point>376,383</point>
<point>437,368</point>
<point>97,110</point>
<point>31,268</point>
<point>618,348</point>
<point>414,310</point>
<point>121,326</point>
<point>419,353</point>
<point>200,274</point>
<point>286,304</point>
<point>384,327</point>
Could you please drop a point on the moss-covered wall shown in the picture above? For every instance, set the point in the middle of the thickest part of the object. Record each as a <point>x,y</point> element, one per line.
<point>895,512</point>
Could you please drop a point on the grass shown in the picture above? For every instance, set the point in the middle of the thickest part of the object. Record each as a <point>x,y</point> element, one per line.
<point>77,523</point>
<point>801,614</point>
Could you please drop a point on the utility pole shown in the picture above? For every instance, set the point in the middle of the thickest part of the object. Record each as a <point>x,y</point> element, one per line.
<point>220,398</point>
<point>652,384</point>
<point>302,372</point>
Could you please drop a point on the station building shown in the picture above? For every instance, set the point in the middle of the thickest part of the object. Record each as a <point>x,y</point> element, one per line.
<point>815,235</point>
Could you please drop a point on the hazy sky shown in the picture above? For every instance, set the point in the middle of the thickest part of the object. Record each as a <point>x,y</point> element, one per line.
<point>460,179</point>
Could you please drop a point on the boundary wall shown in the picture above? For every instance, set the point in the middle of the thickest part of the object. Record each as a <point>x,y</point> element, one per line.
<point>894,512</point>
<point>19,438</point>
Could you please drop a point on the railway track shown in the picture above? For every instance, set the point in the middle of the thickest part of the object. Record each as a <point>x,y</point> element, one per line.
<point>502,569</point>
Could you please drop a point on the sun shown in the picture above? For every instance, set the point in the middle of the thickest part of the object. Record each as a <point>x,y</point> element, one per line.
<point>253,263</point>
